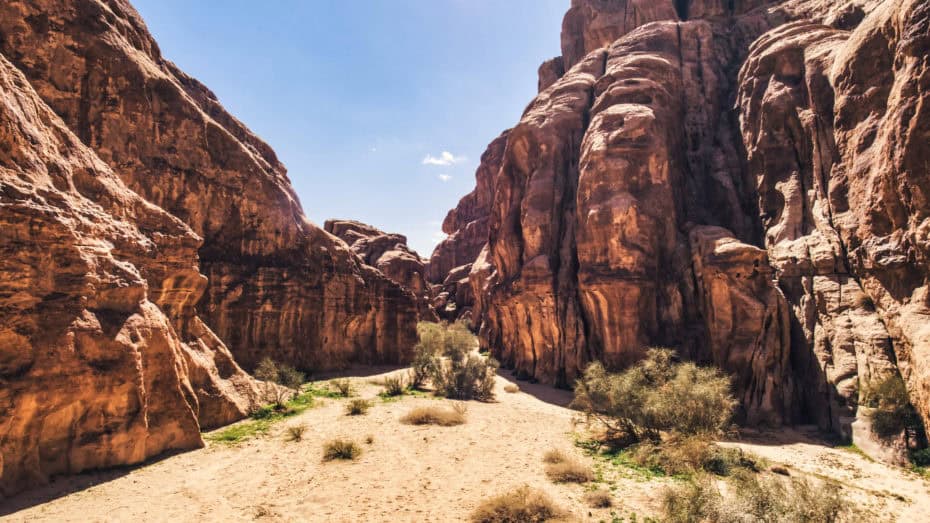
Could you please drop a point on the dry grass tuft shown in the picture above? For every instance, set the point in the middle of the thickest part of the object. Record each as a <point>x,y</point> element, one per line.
<point>521,505</point>
<point>357,407</point>
<point>433,415</point>
<point>296,432</point>
<point>343,387</point>
<point>569,471</point>
<point>599,498</point>
<point>554,456</point>
<point>341,449</point>
<point>369,439</point>
<point>511,388</point>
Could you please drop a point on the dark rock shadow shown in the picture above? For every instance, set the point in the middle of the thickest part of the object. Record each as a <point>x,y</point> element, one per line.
<point>545,393</point>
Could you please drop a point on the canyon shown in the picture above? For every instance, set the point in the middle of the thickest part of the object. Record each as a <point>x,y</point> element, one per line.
<point>742,181</point>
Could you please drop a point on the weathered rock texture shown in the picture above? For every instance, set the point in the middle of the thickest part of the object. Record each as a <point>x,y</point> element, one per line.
<point>103,359</point>
<point>278,285</point>
<point>741,180</point>
<point>390,254</point>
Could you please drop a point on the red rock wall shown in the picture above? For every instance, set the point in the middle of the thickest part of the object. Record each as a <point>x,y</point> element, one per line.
<point>278,285</point>
<point>740,180</point>
<point>103,360</point>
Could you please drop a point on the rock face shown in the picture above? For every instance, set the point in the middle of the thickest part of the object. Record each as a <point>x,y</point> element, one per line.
<point>103,359</point>
<point>278,285</point>
<point>740,180</point>
<point>389,254</point>
<point>467,227</point>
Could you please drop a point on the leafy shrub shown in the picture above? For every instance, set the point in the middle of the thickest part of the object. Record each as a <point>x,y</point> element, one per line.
<point>445,356</point>
<point>656,395</point>
<point>433,415</point>
<point>296,432</point>
<point>755,498</point>
<point>394,386</point>
<point>281,381</point>
<point>569,471</point>
<point>341,449</point>
<point>511,388</point>
<point>894,412</point>
<point>357,407</point>
<point>343,387</point>
<point>523,505</point>
<point>921,458</point>
<point>599,498</point>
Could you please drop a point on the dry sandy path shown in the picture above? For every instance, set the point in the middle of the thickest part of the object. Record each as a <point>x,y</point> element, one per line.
<point>409,473</point>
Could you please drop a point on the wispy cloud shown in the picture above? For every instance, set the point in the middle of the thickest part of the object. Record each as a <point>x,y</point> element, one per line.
<point>445,177</point>
<point>445,158</point>
<point>438,236</point>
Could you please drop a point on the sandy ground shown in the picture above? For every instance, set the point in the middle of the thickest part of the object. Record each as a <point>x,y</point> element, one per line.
<point>414,473</point>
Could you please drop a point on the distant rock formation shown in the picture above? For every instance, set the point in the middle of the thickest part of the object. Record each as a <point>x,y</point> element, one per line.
<point>389,254</point>
<point>740,180</point>
<point>278,285</point>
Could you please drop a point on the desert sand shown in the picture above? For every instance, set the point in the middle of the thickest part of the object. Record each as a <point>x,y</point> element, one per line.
<point>420,473</point>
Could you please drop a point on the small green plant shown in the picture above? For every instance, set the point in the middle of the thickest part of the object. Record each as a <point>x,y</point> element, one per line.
<point>894,414</point>
<point>394,386</point>
<point>240,432</point>
<point>433,415</point>
<point>341,449</point>
<point>281,381</point>
<point>569,471</point>
<point>296,432</point>
<point>518,506</point>
<point>343,387</point>
<point>357,407</point>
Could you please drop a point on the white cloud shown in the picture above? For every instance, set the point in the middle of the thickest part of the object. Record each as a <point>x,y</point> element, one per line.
<point>438,237</point>
<point>445,158</point>
<point>445,177</point>
<point>374,149</point>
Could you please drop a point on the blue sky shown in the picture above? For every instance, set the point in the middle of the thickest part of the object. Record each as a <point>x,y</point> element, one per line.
<point>361,98</point>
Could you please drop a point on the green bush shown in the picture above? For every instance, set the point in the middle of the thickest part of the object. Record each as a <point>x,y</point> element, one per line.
<point>656,395</point>
<point>281,381</point>
<point>445,356</point>
<point>894,412</point>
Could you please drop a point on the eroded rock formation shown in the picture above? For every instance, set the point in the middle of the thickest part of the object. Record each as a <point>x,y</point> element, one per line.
<point>278,285</point>
<point>103,359</point>
<point>740,180</point>
<point>390,254</point>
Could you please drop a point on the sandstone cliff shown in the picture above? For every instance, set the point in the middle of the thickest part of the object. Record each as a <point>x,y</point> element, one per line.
<point>278,285</point>
<point>103,359</point>
<point>740,180</point>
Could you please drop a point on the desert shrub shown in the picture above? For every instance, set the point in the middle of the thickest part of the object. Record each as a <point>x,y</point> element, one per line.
<point>296,432</point>
<point>343,386</point>
<point>656,395</point>
<point>357,407</point>
<point>921,458</point>
<point>523,505</point>
<point>445,356</point>
<point>511,388</point>
<point>688,455</point>
<point>893,412</point>
<point>394,386</point>
<point>341,449</point>
<point>599,498</point>
<point>754,497</point>
<point>554,456</point>
<point>569,471</point>
<point>433,415</point>
<point>281,381</point>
